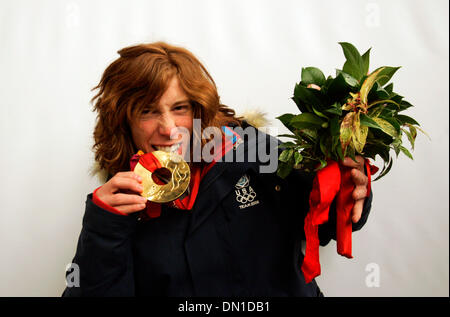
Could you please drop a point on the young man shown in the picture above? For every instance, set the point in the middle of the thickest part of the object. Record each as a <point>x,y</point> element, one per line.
<point>236,231</point>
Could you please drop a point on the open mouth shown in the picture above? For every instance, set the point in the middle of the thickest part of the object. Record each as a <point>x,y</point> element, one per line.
<point>176,148</point>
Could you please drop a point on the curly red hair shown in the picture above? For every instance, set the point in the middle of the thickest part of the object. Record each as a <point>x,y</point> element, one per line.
<point>138,78</point>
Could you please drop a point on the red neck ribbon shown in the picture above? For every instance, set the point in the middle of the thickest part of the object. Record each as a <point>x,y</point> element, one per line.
<point>186,202</point>
<point>332,181</point>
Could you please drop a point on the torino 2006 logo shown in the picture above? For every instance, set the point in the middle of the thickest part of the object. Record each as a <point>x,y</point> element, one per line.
<point>245,195</point>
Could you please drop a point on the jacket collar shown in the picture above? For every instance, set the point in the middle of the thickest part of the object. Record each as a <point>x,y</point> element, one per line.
<point>216,185</point>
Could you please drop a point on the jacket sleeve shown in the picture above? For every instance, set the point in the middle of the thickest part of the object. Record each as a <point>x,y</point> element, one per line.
<point>104,254</point>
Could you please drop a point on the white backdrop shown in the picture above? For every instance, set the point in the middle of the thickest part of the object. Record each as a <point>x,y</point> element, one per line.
<point>53,52</point>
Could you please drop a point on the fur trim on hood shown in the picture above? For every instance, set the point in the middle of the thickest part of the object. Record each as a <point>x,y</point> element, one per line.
<point>256,118</point>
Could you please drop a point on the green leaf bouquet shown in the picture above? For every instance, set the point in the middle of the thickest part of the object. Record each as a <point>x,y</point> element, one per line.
<point>354,113</point>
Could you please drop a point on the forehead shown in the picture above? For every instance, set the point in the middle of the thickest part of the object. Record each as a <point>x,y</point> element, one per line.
<point>173,94</point>
<point>173,90</point>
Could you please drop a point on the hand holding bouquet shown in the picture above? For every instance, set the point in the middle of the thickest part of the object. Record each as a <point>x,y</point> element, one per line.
<point>355,113</point>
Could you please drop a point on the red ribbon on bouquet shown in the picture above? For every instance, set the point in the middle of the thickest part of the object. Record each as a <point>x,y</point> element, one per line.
<point>332,181</point>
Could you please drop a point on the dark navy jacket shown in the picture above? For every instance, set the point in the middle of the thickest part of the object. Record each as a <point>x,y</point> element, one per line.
<point>225,246</point>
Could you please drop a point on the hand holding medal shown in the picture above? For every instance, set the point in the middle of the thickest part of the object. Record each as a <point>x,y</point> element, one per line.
<point>157,177</point>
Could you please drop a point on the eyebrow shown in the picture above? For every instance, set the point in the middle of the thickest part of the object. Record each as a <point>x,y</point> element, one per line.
<point>153,105</point>
<point>181,102</point>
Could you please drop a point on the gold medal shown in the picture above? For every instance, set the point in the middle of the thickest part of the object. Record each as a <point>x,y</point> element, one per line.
<point>174,172</point>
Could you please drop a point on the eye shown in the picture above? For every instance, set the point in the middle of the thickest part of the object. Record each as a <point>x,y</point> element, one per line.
<point>182,108</point>
<point>148,111</point>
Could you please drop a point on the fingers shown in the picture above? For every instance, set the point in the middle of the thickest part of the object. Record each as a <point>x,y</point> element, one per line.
<point>121,192</point>
<point>131,175</point>
<point>359,164</point>
<point>130,208</point>
<point>120,199</point>
<point>361,181</point>
<point>125,181</point>
<point>359,193</point>
<point>357,210</point>
<point>359,178</point>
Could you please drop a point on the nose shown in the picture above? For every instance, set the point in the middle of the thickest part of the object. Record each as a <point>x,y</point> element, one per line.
<point>166,124</point>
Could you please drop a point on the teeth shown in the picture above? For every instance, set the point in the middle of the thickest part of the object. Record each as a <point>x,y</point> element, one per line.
<point>173,148</point>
